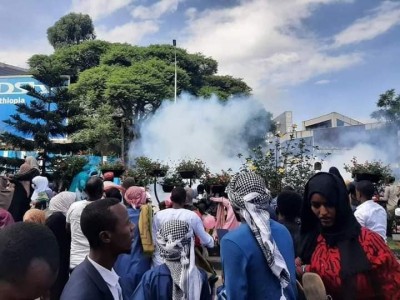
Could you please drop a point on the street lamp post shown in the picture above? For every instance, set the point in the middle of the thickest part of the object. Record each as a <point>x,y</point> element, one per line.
<point>119,117</point>
<point>174,43</point>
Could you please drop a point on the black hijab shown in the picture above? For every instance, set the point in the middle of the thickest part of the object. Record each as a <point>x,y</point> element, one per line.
<point>343,234</point>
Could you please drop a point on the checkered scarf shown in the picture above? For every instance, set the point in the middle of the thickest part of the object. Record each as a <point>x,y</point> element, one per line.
<point>247,191</point>
<point>175,241</point>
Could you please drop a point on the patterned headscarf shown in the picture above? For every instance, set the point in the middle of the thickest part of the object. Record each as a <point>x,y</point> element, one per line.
<point>135,196</point>
<point>35,215</point>
<point>247,191</point>
<point>175,241</point>
<point>5,218</point>
<point>61,202</point>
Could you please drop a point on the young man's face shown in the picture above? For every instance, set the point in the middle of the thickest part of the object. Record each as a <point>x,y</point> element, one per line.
<point>121,237</point>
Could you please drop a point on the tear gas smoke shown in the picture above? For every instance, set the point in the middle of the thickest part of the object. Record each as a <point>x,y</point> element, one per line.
<point>207,129</point>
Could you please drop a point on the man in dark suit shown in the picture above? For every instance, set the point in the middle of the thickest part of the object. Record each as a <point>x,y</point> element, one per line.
<point>106,225</point>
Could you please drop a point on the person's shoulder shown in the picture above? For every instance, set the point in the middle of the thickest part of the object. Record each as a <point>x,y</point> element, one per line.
<point>238,234</point>
<point>368,236</point>
<point>80,285</point>
<point>77,205</point>
<point>276,226</point>
<point>157,271</point>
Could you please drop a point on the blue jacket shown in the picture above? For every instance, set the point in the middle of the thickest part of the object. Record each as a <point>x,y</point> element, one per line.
<point>131,267</point>
<point>86,283</point>
<point>157,283</point>
<point>246,272</point>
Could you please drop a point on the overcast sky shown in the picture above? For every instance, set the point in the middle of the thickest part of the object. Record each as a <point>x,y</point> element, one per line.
<point>308,56</point>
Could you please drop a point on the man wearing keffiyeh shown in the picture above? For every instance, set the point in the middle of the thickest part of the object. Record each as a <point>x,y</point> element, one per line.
<point>175,241</point>
<point>257,257</point>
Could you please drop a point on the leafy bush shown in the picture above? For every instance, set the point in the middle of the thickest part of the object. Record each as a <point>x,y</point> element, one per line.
<point>374,167</point>
<point>196,165</point>
<point>291,163</point>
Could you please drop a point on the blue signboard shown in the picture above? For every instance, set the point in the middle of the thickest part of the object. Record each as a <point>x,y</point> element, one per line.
<point>11,93</point>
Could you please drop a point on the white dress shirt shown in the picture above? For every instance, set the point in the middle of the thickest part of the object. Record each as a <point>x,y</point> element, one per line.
<point>110,277</point>
<point>184,215</point>
<point>372,216</point>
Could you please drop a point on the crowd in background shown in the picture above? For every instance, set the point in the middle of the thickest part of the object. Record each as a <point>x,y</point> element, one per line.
<point>115,244</point>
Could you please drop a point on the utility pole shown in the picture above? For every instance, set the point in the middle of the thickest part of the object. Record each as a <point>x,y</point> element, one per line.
<point>174,44</point>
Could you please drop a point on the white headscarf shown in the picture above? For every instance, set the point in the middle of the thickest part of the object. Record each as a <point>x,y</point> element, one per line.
<point>61,202</point>
<point>175,241</point>
<point>41,184</point>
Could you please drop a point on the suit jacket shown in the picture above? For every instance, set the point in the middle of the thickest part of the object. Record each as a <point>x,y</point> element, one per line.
<point>86,283</point>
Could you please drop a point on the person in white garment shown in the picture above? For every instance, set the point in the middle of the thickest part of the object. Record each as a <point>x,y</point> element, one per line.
<point>369,213</point>
<point>79,243</point>
<point>177,212</point>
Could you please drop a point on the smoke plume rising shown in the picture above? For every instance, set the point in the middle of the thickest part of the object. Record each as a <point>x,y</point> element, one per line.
<point>208,129</point>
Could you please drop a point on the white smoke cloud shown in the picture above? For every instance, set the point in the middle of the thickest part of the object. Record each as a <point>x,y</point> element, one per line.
<point>196,128</point>
<point>363,152</point>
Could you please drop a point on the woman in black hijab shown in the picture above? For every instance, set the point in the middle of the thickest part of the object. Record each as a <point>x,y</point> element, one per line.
<point>352,261</point>
<point>57,224</point>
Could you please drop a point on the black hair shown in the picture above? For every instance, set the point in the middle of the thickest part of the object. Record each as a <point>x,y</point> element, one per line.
<point>178,195</point>
<point>96,217</point>
<point>128,182</point>
<point>114,193</point>
<point>200,189</point>
<point>20,244</point>
<point>162,205</point>
<point>288,188</point>
<point>317,166</point>
<point>351,188</point>
<point>366,188</point>
<point>391,179</point>
<point>94,188</point>
<point>289,204</point>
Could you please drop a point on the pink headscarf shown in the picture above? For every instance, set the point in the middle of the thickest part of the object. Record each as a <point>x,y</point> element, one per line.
<point>135,196</point>
<point>5,218</point>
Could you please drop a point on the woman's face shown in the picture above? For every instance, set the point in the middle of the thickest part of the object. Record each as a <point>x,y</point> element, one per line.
<point>326,214</point>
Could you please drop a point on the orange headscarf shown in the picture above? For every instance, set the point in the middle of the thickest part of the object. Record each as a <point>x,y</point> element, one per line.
<point>35,215</point>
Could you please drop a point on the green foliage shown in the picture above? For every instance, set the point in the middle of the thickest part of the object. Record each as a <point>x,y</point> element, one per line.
<point>221,178</point>
<point>388,108</point>
<point>195,165</point>
<point>375,167</point>
<point>71,29</point>
<point>173,179</point>
<point>291,163</point>
<point>65,168</point>
<point>224,87</point>
<point>115,165</point>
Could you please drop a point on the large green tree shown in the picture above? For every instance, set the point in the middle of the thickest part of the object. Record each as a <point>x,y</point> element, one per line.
<point>388,108</point>
<point>71,29</point>
<point>44,118</point>
<point>132,80</point>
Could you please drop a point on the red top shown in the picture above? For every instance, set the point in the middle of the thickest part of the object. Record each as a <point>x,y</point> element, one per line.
<point>325,262</point>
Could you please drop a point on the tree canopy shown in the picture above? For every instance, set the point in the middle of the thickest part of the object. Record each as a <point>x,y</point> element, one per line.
<point>134,80</point>
<point>71,29</point>
<point>388,108</point>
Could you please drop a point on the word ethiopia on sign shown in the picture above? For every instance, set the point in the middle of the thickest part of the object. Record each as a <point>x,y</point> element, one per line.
<point>11,93</point>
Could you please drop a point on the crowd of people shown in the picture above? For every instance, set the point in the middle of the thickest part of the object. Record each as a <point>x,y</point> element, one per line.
<point>329,243</point>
